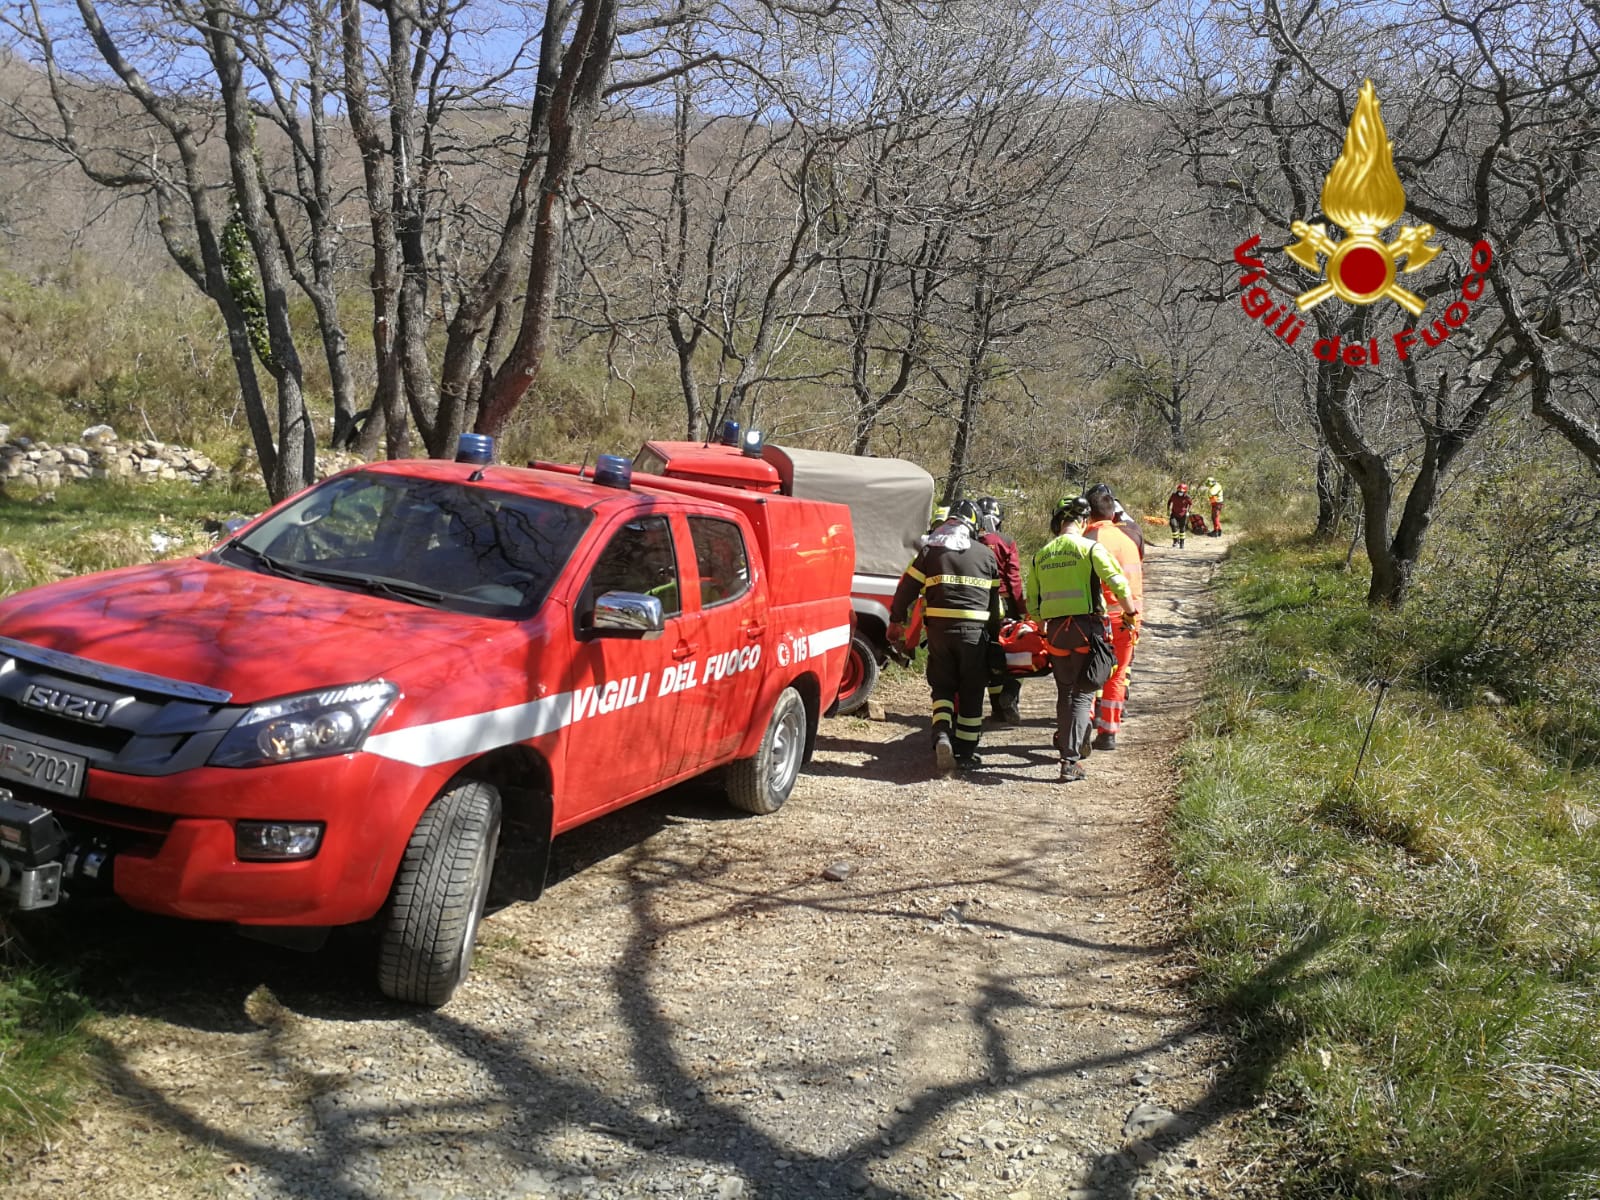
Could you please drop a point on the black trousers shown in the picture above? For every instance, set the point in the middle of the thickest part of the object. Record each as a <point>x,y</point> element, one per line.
<point>1069,663</point>
<point>958,677</point>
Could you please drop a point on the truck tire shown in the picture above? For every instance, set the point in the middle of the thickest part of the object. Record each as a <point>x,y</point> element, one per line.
<point>431,920</point>
<point>860,677</point>
<point>761,784</point>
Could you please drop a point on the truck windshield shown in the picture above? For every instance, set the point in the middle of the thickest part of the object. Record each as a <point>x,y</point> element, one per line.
<point>445,545</point>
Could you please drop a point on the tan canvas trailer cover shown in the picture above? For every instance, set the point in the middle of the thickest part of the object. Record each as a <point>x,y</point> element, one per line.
<point>890,500</point>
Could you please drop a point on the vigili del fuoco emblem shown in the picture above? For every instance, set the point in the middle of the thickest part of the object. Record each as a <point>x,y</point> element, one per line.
<point>1363,196</point>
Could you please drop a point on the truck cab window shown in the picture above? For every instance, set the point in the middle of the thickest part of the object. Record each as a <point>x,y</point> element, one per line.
<point>639,558</point>
<point>720,556</point>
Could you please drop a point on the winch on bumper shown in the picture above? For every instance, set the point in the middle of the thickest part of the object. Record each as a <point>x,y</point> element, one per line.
<point>36,855</point>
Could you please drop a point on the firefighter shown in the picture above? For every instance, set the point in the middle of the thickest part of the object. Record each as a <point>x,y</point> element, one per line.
<point>1104,528</point>
<point>1063,593</point>
<point>941,514</point>
<point>960,581</point>
<point>1178,505</point>
<point>1005,689</point>
<point>1214,494</point>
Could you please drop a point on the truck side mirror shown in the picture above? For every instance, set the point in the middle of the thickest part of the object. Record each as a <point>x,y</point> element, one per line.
<point>627,613</point>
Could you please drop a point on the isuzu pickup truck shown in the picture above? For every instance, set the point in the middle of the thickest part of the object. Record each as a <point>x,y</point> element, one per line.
<point>890,501</point>
<point>399,685</point>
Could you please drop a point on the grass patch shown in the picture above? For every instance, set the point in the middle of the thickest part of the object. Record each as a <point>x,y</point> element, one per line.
<point>1411,955</point>
<point>42,1053</point>
<point>98,525</point>
<point>89,526</point>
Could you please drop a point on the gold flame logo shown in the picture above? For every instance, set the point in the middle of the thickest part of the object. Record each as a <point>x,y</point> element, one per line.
<point>1362,194</point>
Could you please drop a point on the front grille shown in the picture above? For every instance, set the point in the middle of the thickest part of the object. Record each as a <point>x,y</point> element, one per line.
<point>101,812</point>
<point>148,726</point>
<point>31,721</point>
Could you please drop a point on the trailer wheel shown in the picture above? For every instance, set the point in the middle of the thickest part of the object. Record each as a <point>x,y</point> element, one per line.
<point>761,784</point>
<point>860,677</point>
<point>431,920</point>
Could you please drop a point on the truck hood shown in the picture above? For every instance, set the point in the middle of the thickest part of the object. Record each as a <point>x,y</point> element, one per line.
<point>255,636</point>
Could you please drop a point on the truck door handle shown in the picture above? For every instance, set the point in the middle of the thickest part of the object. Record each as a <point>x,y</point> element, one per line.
<point>754,630</point>
<point>683,650</point>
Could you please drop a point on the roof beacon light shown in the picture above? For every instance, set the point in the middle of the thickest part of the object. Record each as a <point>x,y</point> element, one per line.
<point>475,448</point>
<point>751,443</point>
<point>612,470</point>
<point>730,434</point>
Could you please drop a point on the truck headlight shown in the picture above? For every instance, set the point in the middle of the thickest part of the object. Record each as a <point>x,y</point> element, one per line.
<point>315,725</point>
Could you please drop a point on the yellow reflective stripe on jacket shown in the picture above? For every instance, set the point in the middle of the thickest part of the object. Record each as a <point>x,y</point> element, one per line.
<point>916,574</point>
<point>958,614</point>
<point>977,581</point>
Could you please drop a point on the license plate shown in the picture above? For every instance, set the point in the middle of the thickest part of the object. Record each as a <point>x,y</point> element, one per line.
<point>48,770</point>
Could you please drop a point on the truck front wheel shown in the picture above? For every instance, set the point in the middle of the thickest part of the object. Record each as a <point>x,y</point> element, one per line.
<point>761,784</point>
<point>860,677</point>
<point>431,920</point>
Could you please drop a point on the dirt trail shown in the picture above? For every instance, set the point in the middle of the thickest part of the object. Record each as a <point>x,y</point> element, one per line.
<point>984,1005</point>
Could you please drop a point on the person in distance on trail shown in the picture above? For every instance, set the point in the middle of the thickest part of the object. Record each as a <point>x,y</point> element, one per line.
<point>1104,528</point>
<point>1004,688</point>
<point>960,581</point>
<point>1214,494</point>
<point>1064,592</point>
<point>1178,506</point>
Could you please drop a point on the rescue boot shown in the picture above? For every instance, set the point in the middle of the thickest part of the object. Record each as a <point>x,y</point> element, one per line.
<point>1006,713</point>
<point>1071,772</point>
<point>968,762</point>
<point>1104,741</point>
<point>944,754</point>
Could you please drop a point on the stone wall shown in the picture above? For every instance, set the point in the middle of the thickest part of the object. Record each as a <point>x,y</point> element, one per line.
<point>98,454</point>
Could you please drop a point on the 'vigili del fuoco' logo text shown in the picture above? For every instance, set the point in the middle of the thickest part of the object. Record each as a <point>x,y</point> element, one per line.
<point>1362,196</point>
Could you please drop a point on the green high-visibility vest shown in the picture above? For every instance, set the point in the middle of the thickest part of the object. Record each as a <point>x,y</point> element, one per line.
<point>1062,581</point>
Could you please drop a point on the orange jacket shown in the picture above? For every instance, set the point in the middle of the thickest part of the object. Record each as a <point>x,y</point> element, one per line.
<point>1126,552</point>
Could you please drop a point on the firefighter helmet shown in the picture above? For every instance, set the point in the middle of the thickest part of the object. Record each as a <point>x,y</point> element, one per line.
<point>1184,488</point>
<point>992,508</point>
<point>965,511</point>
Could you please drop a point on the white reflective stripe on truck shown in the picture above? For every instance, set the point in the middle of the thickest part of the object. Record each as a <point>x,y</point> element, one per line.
<point>445,741</point>
<point>874,585</point>
<point>828,639</point>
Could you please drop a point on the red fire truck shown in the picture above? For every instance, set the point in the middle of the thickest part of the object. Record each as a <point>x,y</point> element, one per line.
<point>402,683</point>
<point>890,500</point>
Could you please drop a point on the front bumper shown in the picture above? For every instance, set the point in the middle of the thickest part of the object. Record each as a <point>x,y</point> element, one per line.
<point>167,845</point>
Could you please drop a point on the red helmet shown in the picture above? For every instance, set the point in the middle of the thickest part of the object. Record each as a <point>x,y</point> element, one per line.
<point>1183,487</point>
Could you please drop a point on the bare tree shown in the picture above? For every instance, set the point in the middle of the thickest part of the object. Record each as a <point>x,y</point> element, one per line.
<point>1491,112</point>
<point>180,174</point>
<point>301,107</point>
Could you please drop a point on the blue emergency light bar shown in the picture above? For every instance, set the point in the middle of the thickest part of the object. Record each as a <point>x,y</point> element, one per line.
<point>730,433</point>
<point>751,443</point>
<point>613,470</point>
<point>475,448</point>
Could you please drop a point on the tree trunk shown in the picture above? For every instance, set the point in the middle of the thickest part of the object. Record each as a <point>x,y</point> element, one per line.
<point>386,417</point>
<point>1330,484</point>
<point>296,462</point>
<point>574,104</point>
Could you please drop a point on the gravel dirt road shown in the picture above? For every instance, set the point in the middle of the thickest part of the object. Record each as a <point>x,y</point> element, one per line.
<point>899,986</point>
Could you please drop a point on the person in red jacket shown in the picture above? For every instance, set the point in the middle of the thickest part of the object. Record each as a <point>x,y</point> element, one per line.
<point>1103,528</point>
<point>1178,506</point>
<point>1005,689</point>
